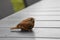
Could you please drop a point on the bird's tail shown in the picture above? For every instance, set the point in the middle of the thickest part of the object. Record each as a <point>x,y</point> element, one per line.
<point>14,28</point>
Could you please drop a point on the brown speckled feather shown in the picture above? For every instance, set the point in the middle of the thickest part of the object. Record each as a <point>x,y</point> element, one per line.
<point>26,24</point>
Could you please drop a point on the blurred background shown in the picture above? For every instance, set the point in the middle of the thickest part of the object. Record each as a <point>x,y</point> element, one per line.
<point>8,7</point>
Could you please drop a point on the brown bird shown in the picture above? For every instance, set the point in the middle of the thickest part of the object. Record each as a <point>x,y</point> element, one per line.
<point>25,25</point>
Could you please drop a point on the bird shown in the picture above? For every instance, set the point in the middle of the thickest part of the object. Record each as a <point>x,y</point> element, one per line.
<point>25,25</point>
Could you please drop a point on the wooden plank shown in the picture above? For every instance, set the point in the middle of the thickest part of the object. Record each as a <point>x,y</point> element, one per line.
<point>37,33</point>
<point>47,24</point>
<point>26,39</point>
<point>13,23</point>
<point>47,18</point>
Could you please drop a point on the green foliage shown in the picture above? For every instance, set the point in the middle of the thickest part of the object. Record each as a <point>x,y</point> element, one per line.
<point>17,5</point>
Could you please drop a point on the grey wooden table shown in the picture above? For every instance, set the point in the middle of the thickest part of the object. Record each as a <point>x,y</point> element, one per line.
<point>47,22</point>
